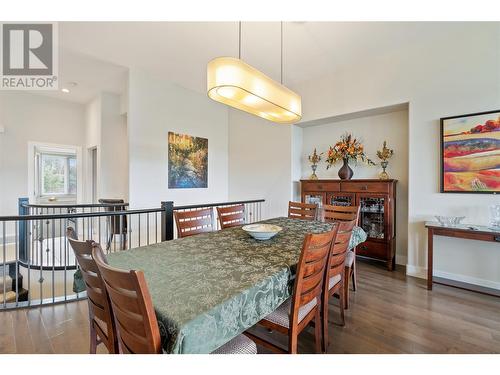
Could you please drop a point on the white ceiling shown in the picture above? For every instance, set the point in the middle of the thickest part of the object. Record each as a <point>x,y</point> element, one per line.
<point>97,54</point>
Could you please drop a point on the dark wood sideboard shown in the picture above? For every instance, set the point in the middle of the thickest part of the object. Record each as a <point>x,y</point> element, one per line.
<point>377,199</point>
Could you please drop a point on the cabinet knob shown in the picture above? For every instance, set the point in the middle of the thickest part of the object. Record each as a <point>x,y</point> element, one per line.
<point>364,187</point>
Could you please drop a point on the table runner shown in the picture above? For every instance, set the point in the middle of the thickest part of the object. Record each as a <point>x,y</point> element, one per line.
<point>208,288</point>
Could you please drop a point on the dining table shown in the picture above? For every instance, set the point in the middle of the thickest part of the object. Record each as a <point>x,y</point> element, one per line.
<point>211,287</point>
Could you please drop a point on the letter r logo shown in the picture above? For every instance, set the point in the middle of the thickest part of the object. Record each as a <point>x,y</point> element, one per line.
<point>27,49</point>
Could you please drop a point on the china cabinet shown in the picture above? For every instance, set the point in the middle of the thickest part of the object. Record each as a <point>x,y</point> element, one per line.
<point>377,199</point>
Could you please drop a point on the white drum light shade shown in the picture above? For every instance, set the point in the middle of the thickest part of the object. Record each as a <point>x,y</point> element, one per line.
<point>237,84</point>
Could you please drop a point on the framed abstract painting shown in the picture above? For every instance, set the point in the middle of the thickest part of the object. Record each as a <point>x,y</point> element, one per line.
<point>187,161</point>
<point>470,153</point>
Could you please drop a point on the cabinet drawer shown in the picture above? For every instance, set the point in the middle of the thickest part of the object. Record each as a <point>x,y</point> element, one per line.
<point>321,186</point>
<point>379,250</point>
<point>361,187</point>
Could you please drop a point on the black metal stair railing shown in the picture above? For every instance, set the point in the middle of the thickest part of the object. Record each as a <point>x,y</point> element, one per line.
<point>37,264</point>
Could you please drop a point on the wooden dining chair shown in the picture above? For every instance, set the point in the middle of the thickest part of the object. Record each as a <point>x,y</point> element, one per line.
<point>304,211</point>
<point>335,273</point>
<point>194,222</point>
<point>304,306</point>
<point>345,213</point>
<point>102,326</point>
<point>232,216</point>
<point>134,314</point>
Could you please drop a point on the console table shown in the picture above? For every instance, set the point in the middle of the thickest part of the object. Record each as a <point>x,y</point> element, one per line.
<point>470,232</point>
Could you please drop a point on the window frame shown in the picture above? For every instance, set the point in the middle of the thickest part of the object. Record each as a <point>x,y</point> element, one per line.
<point>40,181</point>
<point>34,183</point>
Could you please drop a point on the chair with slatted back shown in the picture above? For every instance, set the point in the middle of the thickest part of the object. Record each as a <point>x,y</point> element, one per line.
<point>134,314</point>
<point>335,273</point>
<point>194,222</point>
<point>304,306</point>
<point>304,211</point>
<point>345,213</point>
<point>232,216</point>
<point>102,327</point>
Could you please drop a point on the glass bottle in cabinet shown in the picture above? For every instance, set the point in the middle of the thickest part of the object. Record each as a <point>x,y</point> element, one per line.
<point>372,216</point>
<point>339,199</point>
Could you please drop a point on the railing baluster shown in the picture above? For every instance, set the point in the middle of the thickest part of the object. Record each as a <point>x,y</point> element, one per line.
<point>147,228</point>
<point>53,262</point>
<point>65,260</point>
<point>139,228</point>
<point>16,249</point>
<point>4,265</point>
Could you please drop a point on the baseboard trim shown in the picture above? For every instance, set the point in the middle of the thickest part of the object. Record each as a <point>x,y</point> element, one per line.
<point>416,271</point>
<point>402,260</point>
<point>468,280</point>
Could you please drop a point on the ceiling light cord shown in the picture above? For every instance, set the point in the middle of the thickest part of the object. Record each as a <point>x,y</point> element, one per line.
<point>281,52</point>
<point>239,40</point>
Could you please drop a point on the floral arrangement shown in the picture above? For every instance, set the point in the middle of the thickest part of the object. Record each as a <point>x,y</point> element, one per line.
<point>385,153</point>
<point>348,148</point>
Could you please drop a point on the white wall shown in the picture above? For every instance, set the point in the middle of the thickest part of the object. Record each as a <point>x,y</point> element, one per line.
<point>260,162</point>
<point>372,131</point>
<point>453,76</point>
<point>114,149</point>
<point>28,117</point>
<point>106,130</point>
<point>156,107</point>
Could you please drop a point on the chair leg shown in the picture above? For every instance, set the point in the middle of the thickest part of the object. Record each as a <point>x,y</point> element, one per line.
<point>292,342</point>
<point>317,330</point>
<point>347,276</point>
<point>325,324</point>
<point>93,339</point>
<point>353,274</point>
<point>342,303</point>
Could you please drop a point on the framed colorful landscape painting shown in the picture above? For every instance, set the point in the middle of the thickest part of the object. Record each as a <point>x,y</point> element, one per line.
<point>187,161</point>
<point>470,153</point>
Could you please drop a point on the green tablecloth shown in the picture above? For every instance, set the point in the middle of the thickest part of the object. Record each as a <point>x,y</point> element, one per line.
<point>209,288</point>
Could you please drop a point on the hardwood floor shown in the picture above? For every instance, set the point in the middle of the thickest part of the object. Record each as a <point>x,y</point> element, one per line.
<point>390,313</point>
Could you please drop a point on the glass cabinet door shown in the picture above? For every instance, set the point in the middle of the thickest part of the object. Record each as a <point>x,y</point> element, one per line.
<point>314,198</point>
<point>341,199</point>
<point>372,215</point>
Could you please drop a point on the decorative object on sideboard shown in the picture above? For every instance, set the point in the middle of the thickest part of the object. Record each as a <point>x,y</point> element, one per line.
<point>495,215</point>
<point>384,155</point>
<point>449,221</point>
<point>347,149</point>
<point>470,153</point>
<point>314,159</point>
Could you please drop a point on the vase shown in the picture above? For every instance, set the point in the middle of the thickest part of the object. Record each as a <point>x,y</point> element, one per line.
<point>313,176</point>
<point>345,172</point>
<point>384,175</point>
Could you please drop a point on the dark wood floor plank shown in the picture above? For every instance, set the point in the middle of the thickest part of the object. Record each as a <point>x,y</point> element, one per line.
<point>7,340</point>
<point>24,341</point>
<point>41,340</point>
<point>390,313</point>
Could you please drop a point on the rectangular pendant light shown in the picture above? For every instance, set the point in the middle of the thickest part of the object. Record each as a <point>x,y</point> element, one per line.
<point>237,84</point>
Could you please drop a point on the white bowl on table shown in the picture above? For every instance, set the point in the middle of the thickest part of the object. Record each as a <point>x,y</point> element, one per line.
<point>262,232</point>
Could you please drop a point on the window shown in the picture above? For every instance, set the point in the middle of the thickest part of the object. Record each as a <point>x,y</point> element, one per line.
<point>56,174</point>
